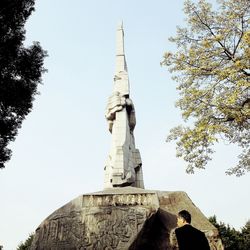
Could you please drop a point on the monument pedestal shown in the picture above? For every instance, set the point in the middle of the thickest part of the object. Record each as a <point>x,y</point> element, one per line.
<point>120,219</point>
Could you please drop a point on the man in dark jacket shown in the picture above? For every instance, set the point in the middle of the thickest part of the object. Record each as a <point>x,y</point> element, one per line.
<point>188,237</point>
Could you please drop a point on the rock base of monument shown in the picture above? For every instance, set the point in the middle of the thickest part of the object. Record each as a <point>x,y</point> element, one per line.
<point>120,219</point>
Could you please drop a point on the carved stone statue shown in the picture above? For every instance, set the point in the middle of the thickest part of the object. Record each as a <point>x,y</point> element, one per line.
<point>123,166</point>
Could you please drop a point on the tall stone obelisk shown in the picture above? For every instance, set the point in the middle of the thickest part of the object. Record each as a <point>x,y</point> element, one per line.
<point>123,166</point>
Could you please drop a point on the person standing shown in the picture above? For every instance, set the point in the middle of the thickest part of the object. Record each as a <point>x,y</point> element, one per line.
<point>189,237</point>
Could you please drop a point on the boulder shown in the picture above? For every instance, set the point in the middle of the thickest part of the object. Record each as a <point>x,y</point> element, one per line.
<point>121,219</point>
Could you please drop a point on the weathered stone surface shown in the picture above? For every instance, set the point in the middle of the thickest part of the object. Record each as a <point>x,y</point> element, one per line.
<point>121,219</point>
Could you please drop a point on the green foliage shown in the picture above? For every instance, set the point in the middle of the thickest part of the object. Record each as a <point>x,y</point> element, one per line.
<point>27,244</point>
<point>212,69</point>
<point>20,71</point>
<point>231,238</point>
<point>245,235</point>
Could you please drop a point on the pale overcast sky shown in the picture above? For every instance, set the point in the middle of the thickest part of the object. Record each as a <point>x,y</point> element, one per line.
<point>61,148</point>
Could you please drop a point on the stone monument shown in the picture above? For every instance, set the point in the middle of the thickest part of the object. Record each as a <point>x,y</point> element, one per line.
<point>124,216</point>
<point>123,167</point>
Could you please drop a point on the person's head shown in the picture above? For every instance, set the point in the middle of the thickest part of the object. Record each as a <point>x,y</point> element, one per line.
<point>183,218</point>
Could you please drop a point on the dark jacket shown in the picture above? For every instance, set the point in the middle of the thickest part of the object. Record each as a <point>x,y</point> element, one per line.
<point>190,238</point>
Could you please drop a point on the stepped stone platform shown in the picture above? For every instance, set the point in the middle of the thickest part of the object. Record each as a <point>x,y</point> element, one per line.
<point>120,218</point>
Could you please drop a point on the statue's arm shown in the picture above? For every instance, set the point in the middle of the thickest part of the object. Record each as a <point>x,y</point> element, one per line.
<point>131,113</point>
<point>115,104</point>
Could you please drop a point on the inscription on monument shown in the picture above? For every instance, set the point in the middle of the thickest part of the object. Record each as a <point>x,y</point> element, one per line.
<point>119,200</point>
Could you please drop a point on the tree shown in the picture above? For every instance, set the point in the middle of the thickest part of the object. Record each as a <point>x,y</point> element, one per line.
<point>20,71</point>
<point>212,68</point>
<point>245,236</point>
<point>230,237</point>
<point>27,244</point>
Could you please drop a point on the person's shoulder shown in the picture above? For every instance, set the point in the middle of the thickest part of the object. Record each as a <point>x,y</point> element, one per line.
<point>198,231</point>
<point>184,229</point>
<point>194,229</point>
<point>191,229</point>
<point>199,234</point>
<point>188,228</point>
<point>180,229</point>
